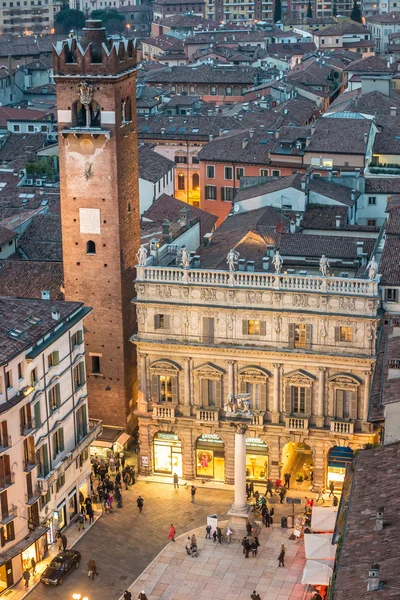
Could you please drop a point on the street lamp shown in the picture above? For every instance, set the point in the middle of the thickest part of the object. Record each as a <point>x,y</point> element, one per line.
<point>79,597</point>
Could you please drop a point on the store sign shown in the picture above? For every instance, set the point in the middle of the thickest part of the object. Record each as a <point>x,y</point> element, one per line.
<point>210,438</point>
<point>145,461</point>
<point>167,436</point>
<point>255,442</point>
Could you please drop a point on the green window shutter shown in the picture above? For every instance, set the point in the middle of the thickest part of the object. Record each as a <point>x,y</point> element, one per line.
<point>263,396</point>
<point>50,400</point>
<point>56,357</point>
<point>218,393</point>
<point>245,327</point>
<point>58,394</point>
<point>36,410</point>
<point>308,336</point>
<point>45,454</point>
<point>54,446</point>
<point>291,336</point>
<point>156,321</point>
<point>166,321</point>
<point>337,334</point>
<point>288,399</point>
<point>174,384</point>
<point>79,336</point>
<point>263,329</point>
<point>204,391</point>
<point>339,404</point>
<point>81,373</point>
<point>353,405</point>
<point>155,388</point>
<point>61,439</point>
<point>307,403</point>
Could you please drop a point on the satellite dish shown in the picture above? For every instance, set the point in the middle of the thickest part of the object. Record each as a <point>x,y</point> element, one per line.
<point>280,228</point>
<point>236,208</point>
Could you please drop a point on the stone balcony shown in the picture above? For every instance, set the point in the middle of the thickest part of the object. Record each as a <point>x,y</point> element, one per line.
<point>338,426</point>
<point>207,415</point>
<point>163,412</point>
<point>297,423</point>
<point>258,419</point>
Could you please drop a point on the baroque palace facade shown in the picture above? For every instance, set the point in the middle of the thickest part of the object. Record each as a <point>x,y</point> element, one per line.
<point>301,347</point>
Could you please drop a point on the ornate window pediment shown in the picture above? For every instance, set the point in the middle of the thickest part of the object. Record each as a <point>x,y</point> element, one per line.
<point>253,374</point>
<point>344,381</point>
<point>165,366</point>
<point>209,371</point>
<point>299,378</point>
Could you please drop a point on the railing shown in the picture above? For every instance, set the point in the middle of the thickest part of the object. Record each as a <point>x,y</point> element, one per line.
<point>33,495</point>
<point>163,412</point>
<point>7,480</point>
<point>296,422</point>
<point>28,427</point>
<point>303,283</point>
<point>29,463</point>
<point>5,443</point>
<point>258,419</point>
<point>8,514</point>
<point>204,415</point>
<point>342,427</point>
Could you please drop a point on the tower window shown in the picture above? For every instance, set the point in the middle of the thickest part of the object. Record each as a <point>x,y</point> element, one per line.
<point>90,247</point>
<point>96,364</point>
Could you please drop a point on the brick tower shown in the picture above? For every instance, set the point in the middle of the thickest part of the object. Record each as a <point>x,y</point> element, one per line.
<point>96,104</point>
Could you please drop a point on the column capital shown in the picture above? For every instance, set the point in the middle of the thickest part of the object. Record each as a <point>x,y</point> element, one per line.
<point>187,358</point>
<point>368,373</point>
<point>231,362</point>
<point>321,369</point>
<point>142,355</point>
<point>277,365</point>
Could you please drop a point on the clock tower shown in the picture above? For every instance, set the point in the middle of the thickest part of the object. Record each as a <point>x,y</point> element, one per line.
<point>96,105</point>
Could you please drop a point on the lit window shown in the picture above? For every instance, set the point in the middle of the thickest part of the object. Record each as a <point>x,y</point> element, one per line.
<point>300,335</point>
<point>346,334</point>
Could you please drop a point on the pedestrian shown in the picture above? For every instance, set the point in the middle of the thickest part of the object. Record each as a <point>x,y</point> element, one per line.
<point>90,513</point>
<point>331,489</point>
<point>215,536</point>
<point>335,500</point>
<point>118,497</point>
<point>219,535</point>
<point>118,479</point>
<point>132,473</point>
<point>208,532</point>
<point>256,496</point>
<point>287,477</point>
<point>267,519</point>
<point>282,495</point>
<point>248,528</point>
<point>247,491</point>
<point>281,559</point>
<point>270,487</point>
<point>247,548</point>
<point>122,457</point>
<point>59,540</point>
<point>127,479</point>
<point>251,488</point>
<point>243,544</point>
<point>271,514</point>
<point>81,521</point>
<point>140,503</point>
<point>194,551</point>
<point>26,575</point>
<point>188,547</point>
<point>176,481</point>
<point>127,595</point>
<point>64,542</point>
<point>255,596</point>
<point>117,462</point>
<point>92,568</point>
<point>253,547</point>
<point>33,565</point>
<point>228,534</point>
<point>171,534</point>
<point>142,596</point>
<point>193,494</point>
<point>193,540</point>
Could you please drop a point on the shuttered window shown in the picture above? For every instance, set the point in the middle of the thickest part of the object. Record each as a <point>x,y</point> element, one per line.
<point>258,394</point>
<point>58,442</point>
<point>161,322</point>
<point>53,359</point>
<point>208,330</point>
<point>211,392</point>
<point>345,404</point>
<point>300,335</point>
<point>79,375</point>
<point>54,398</point>
<point>164,388</point>
<point>298,400</point>
<point>253,327</point>
<point>343,334</point>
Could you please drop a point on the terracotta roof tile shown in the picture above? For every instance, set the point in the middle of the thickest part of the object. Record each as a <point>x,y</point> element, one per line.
<point>152,165</point>
<point>27,278</point>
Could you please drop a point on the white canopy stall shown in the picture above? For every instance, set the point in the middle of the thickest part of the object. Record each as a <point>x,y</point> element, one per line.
<point>323,519</point>
<point>317,572</point>
<point>318,546</point>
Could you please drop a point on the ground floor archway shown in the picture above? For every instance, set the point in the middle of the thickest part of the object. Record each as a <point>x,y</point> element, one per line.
<point>210,457</point>
<point>167,452</point>
<point>256,459</point>
<point>297,459</point>
<point>339,457</point>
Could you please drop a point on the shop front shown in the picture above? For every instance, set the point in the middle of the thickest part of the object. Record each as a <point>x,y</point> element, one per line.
<point>256,460</point>
<point>17,558</point>
<point>210,457</point>
<point>6,576</point>
<point>110,441</point>
<point>28,554</point>
<point>60,517</point>
<point>338,459</point>
<point>72,505</point>
<point>167,452</point>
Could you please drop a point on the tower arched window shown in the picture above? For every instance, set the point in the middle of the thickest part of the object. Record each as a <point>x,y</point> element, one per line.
<point>181,181</point>
<point>90,247</point>
<point>126,110</point>
<point>79,114</point>
<point>195,181</point>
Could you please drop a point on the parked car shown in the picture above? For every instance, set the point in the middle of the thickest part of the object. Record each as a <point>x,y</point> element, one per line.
<point>60,566</point>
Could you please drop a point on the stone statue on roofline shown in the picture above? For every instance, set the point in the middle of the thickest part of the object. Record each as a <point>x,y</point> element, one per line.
<point>372,269</point>
<point>185,257</point>
<point>324,265</point>
<point>277,261</point>
<point>232,259</point>
<point>141,255</point>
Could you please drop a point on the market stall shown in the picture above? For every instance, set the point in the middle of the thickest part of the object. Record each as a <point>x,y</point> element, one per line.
<point>317,572</point>
<point>318,546</point>
<point>323,519</point>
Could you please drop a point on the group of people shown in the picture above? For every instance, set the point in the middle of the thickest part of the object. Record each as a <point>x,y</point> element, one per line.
<point>86,511</point>
<point>107,489</point>
<point>191,546</point>
<point>250,544</point>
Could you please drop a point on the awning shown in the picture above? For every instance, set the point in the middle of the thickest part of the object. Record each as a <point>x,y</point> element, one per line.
<point>123,438</point>
<point>316,573</point>
<point>323,519</point>
<point>22,545</point>
<point>340,454</point>
<point>318,546</point>
<point>107,443</point>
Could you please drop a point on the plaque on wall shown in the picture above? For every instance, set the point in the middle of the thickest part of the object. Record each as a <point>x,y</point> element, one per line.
<point>89,220</point>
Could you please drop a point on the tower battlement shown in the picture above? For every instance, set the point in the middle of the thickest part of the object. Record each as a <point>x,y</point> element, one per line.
<point>94,55</point>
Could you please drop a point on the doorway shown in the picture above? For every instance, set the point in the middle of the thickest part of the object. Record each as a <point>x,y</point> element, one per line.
<point>297,459</point>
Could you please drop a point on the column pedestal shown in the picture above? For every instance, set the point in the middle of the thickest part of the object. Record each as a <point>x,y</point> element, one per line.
<point>240,510</point>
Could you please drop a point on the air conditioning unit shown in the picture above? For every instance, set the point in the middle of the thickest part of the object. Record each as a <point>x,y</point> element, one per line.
<point>38,181</point>
<point>29,182</point>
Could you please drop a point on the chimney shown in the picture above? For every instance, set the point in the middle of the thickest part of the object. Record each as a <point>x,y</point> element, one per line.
<point>196,261</point>
<point>379,519</point>
<point>251,265</point>
<point>242,264</point>
<point>209,112</point>
<point>308,140</point>
<point>353,195</point>
<point>55,313</point>
<point>265,262</point>
<point>154,247</point>
<point>388,63</point>
<point>45,294</point>
<point>211,137</point>
<point>360,248</point>
<point>184,215</point>
<point>207,239</point>
<point>303,183</point>
<point>251,132</point>
<point>313,129</point>
<point>338,221</point>
<point>245,141</point>
<point>276,134</point>
<point>292,227</point>
<point>270,250</point>
<point>298,220</point>
<point>162,130</point>
<point>167,230</point>
<point>221,132</point>
<point>365,137</point>
<point>373,578</point>
<point>391,59</point>
<point>329,175</point>
<point>393,111</point>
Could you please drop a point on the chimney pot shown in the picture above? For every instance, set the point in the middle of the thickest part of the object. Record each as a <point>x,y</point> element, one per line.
<point>393,111</point>
<point>379,519</point>
<point>338,221</point>
<point>292,227</point>
<point>207,239</point>
<point>251,265</point>
<point>242,264</point>
<point>265,262</point>
<point>360,248</point>
<point>245,141</point>
<point>55,313</point>
<point>373,578</point>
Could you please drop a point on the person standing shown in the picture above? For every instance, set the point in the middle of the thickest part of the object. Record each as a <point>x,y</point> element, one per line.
<point>193,540</point>
<point>270,487</point>
<point>255,596</point>
<point>331,489</point>
<point>219,535</point>
<point>81,520</point>
<point>127,479</point>
<point>171,534</point>
<point>90,512</point>
<point>59,540</point>
<point>247,491</point>
<point>215,536</point>
<point>193,494</point>
<point>64,542</point>
<point>26,575</point>
<point>281,559</point>
<point>176,481</point>
<point>335,500</point>
<point>142,596</point>
<point>92,568</point>
<point>140,503</point>
<point>251,488</point>
<point>122,457</point>
<point>127,595</point>
<point>267,519</point>
<point>229,535</point>
<point>33,565</point>
<point>271,514</point>
<point>282,495</point>
<point>287,477</point>
<point>208,532</point>
<point>248,528</point>
<point>188,547</point>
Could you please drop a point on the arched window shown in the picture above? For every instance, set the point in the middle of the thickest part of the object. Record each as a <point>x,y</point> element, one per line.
<point>90,247</point>
<point>195,181</point>
<point>79,114</point>
<point>128,110</point>
<point>181,181</point>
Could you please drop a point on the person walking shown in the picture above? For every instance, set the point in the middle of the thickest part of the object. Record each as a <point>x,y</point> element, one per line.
<point>287,477</point>
<point>256,496</point>
<point>81,520</point>
<point>282,495</point>
<point>247,548</point>
<point>64,542</point>
<point>214,536</point>
<point>188,547</point>
<point>142,596</point>
<point>271,514</point>
<point>331,489</point>
<point>193,540</point>
<point>176,481</point>
<point>251,488</point>
<point>229,535</point>
<point>248,528</point>
<point>255,596</point>
<point>243,544</point>
<point>193,494</point>
<point>122,457</point>
<point>253,547</point>
<point>59,540</point>
<point>208,532</point>
<point>219,535</point>
<point>171,534</point>
<point>281,559</point>
<point>247,491</point>
<point>267,519</point>
<point>90,512</point>
<point>127,479</point>
<point>127,595</point>
<point>92,568</point>
<point>140,503</point>
<point>270,487</point>
<point>33,565</point>
<point>26,575</point>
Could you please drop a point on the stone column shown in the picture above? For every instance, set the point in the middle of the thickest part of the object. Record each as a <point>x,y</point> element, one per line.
<point>186,386</point>
<point>231,377</point>
<point>239,512</point>
<point>320,399</point>
<point>142,396</point>
<point>277,387</point>
<point>367,389</point>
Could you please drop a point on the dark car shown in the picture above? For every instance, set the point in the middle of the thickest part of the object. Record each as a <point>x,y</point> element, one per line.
<point>60,566</point>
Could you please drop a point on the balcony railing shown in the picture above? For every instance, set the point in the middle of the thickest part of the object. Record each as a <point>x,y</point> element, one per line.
<point>28,427</point>
<point>5,443</point>
<point>7,480</point>
<point>8,514</point>
<point>160,411</point>
<point>33,495</point>
<point>207,415</point>
<point>258,419</point>
<point>296,422</point>
<point>272,281</point>
<point>342,427</point>
<point>29,463</point>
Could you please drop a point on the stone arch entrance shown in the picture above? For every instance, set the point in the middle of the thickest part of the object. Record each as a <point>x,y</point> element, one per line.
<point>297,459</point>
<point>167,454</point>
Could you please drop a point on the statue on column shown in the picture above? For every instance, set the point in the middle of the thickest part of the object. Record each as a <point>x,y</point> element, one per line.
<point>238,406</point>
<point>277,261</point>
